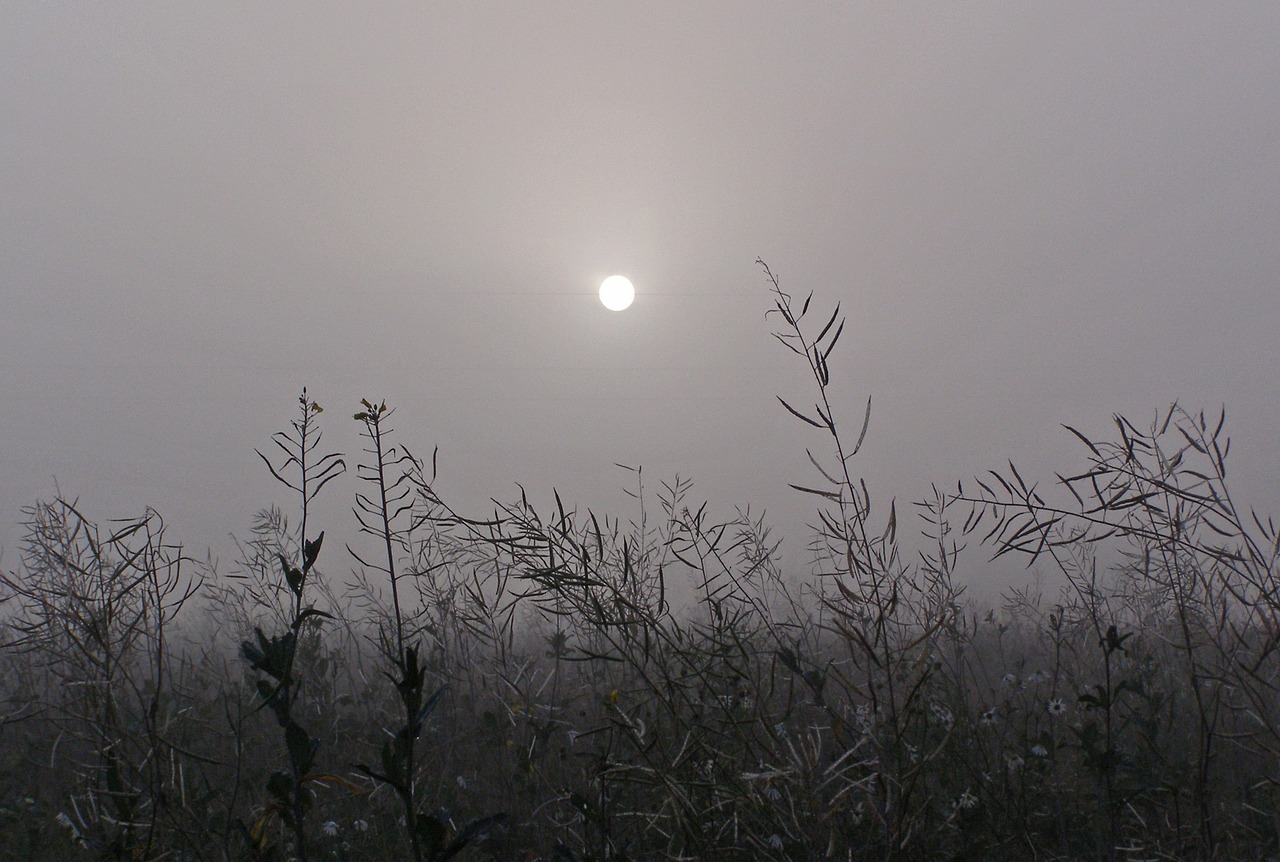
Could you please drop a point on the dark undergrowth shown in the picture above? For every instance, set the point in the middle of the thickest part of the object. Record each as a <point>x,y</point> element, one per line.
<point>522,684</point>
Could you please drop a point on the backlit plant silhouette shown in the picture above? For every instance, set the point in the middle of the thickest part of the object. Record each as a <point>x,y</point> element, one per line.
<point>655,684</point>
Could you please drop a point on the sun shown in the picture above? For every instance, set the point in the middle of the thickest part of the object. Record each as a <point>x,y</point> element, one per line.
<point>616,292</point>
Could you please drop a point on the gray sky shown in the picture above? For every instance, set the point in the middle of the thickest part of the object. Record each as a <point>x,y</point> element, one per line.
<point>1032,214</point>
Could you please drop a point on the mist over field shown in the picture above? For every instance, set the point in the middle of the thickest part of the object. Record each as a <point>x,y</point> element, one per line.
<point>919,507</point>
<point>1032,217</point>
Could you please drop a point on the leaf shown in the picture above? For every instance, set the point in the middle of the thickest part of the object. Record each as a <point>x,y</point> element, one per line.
<point>302,748</point>
<point>280,785</point>
<point>391,763</point>
<point>311,550</point>
<point>307,614</point>
<point>266,690</point>
<point>473,830</point>
<point>291,575</point>
<point>1114,640</point>
<point>252,654</point>
<point>258,834</point>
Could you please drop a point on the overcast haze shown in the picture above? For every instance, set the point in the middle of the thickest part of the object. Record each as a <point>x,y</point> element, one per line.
<point>1032,214</point>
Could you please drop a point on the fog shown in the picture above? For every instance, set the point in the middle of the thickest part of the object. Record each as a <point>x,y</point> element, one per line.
<point>1030,214</point>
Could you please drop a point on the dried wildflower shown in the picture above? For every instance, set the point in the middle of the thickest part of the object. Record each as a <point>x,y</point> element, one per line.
<point>1056,706</point>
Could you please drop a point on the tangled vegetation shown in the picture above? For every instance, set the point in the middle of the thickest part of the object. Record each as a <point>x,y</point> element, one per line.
<point>525,685</point>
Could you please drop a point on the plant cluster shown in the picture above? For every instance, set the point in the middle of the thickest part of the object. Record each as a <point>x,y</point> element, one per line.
<point>547,684</point>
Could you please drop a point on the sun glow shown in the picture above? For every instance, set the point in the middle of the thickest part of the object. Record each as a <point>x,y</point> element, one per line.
<point>616,292</point>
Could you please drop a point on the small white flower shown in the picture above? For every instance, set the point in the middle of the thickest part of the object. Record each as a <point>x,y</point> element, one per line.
<point>360,825</point>
<point>1039,751</point>
<point>967,800</point>
<point>1056,707</point>
<point>1009,680</point>
<point>988,717</point>
<point>329,829</point>
<point>773,793</point>
<point>1015,763</point>
<point>462,782</point>
<point>775,841</point>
